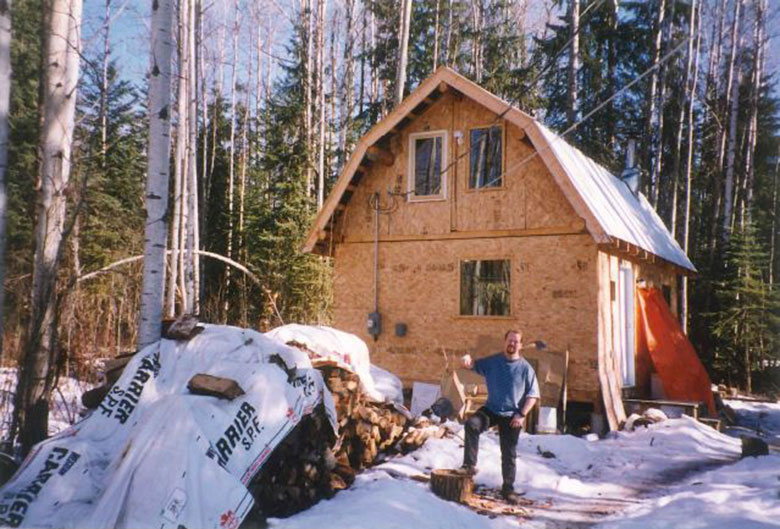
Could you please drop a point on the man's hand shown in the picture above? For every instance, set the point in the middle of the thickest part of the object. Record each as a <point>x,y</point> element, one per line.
<point>466,361</point>
<point>517,421</point>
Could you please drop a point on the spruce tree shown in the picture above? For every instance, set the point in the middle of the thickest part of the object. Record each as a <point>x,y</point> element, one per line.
<point>746,321</point>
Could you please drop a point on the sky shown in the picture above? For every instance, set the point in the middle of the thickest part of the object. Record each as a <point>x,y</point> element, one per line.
<point>130,28</point>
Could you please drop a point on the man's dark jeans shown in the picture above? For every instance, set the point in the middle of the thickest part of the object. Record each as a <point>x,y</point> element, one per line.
<point>478,423</point>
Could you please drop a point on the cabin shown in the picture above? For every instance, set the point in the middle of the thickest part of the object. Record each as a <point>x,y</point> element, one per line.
<point>459,217</point>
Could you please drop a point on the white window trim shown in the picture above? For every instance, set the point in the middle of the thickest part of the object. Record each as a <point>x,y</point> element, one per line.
<point>444,134</point>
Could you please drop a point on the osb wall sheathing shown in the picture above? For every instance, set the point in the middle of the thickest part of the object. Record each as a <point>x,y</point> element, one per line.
<point>553,298</point>
<point>528,199</point>
<point>657,275</point>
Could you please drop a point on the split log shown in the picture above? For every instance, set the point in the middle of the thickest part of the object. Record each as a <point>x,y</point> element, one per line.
<point>222,388</point>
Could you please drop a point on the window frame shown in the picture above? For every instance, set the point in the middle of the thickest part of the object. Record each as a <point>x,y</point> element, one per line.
<point>510,315</point>
<point>411,180</point>
<point>502,127</point>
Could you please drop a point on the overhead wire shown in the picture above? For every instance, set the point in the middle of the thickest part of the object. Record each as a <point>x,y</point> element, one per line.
<point>511,104</point>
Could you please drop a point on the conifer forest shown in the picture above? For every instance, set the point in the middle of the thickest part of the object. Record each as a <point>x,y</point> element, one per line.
<point>168,157</point>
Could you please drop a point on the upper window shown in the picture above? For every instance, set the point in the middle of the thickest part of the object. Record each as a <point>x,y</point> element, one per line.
<point>428,155</point>
<point>484,288</point>
<point>485,153</point>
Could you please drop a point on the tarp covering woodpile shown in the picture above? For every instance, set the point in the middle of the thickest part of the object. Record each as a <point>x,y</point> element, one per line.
<point>347,350</point>
<point>155,455</point>
<point>676,362</point>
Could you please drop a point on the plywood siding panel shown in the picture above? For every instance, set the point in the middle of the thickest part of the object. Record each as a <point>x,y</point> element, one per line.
<point>528,199</point>
<point>553,298</point>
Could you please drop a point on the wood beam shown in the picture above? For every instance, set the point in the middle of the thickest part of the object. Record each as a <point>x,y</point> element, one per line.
<point>377,154</point>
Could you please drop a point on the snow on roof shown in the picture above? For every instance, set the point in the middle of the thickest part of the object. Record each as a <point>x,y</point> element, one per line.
<point>620,213</point>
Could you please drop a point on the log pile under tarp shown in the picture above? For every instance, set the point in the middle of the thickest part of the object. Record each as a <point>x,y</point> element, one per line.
<point>312,463</point>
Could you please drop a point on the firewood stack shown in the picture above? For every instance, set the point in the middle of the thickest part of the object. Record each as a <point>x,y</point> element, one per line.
<point>366,428</point>
<point>310,464</point>
<point>299,472</point>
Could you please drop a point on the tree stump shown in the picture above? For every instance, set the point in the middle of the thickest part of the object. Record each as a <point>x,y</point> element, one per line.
<point>452,485</point>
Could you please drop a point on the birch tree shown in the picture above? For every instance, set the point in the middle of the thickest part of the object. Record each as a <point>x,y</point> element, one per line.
<point>687,94</point>
<point>755,90</point>
<point>574,60</point>
<point>61,52</point>
<point>689,170</point>
<point>180,164</point>
<point>403,48</point>
<point>731,148</point>
<point>158,172</point>
<point>5,98</point>
<point>320,70</point>
<point>193,226</point>
<point>231,168</point>
<point>653,87</point>
<point>348,88</point>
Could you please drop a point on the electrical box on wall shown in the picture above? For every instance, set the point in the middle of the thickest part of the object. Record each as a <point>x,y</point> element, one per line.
<point>374,324</point>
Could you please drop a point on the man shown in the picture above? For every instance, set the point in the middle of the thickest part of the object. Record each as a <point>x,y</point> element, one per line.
<point>512,392</point>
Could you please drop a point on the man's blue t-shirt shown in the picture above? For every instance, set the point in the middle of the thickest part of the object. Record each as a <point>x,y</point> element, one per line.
<point>509,383</point>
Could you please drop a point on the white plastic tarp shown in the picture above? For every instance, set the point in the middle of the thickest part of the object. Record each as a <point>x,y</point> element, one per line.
<point>154,455</point>
<point>342,347</point>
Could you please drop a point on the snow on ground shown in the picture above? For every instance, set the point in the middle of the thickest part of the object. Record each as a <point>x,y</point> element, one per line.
<point>66,402</point>
<point>677,473</point>
<point>762,418</point>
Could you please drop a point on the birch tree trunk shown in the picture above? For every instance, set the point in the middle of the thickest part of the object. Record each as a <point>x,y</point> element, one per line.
<point>755,91</point>
<point>574,60</point>
<point>158,172</point>
<point>728,185</point>
<point>363,57</point>
<point>689,171</point>
<point>652,90</point>
<point>193,226</point>
<point>476,50</point>
<point>718,122</point>
<point>241,241</point>
<point>232,167</point>
<point>5,98</point>
<point>180,161</point>
<point>61,49</point>
<point>373,95</point>
<point>320,70</point>
<point>657,148</point>
<point>436,36</point>
<point>448,42</point>
<point>681,116</point>
<point>403,49</point>
<point>308,39</point>
<point>348,89</point>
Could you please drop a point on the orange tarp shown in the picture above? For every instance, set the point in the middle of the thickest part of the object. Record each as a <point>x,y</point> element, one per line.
<point>674,358</point>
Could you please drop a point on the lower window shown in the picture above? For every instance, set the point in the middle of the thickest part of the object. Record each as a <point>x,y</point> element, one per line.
<point>484,288</point>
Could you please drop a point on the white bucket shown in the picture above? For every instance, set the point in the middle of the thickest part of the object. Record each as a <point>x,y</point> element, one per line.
<point>547,420</point>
